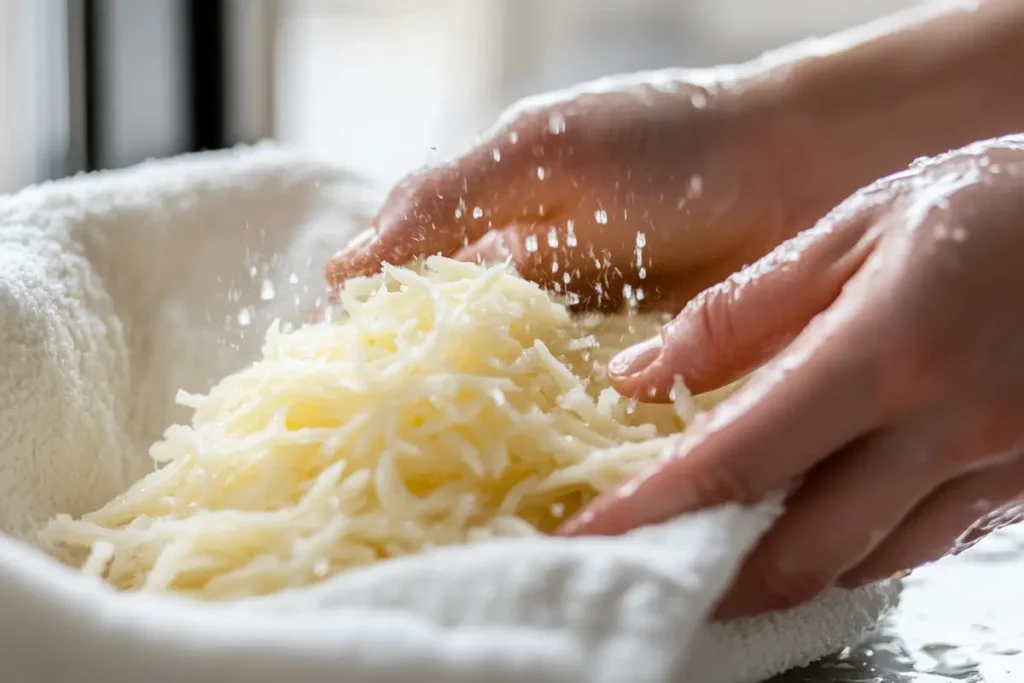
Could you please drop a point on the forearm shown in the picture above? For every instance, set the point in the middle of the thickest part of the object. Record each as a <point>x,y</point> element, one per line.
<point>866,103</point>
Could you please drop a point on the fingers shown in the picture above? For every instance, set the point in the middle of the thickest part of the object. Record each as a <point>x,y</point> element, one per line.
<point>733,327</point>
<point>443,209</point>
<point>820,395</point>
<point>553,256</point>
<point>978,503</point>
<point>838,516</point>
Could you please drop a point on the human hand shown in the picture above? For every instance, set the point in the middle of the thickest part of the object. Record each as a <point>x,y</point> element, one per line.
<point>582,188</point>
<point>898,405</point>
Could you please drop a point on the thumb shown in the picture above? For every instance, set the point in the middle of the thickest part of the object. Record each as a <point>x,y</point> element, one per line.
<point>739,324</point>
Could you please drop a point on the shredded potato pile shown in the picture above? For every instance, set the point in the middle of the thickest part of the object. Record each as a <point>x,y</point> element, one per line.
<point>449,403</point>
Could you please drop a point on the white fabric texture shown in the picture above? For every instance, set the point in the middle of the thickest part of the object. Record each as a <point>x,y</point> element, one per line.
<point>117,289</point>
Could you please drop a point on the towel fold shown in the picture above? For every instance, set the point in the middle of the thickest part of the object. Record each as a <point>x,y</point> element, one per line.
<point>117,289</point>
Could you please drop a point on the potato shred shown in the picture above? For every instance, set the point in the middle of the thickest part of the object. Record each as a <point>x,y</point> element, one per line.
<point>448,403</point>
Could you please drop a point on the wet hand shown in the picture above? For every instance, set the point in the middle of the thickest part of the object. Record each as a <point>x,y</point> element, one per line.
<point>656,184</point>
<point>893,393</point>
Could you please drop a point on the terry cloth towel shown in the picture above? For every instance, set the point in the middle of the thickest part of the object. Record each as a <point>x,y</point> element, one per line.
<point>116,289</point>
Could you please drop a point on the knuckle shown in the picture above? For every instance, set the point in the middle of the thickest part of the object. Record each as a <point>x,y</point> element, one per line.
<point>722,483</point>
<point>712,327</point>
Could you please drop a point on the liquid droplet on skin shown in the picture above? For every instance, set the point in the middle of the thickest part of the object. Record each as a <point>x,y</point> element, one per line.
<point>556,124</point>
<point>601,216</point>
<point>540,173</point>
<point>267,290</point>
<point>570,237</point>
<point>513,137</point>
<point>552,238</point>
<point>641,240</point>
<point>531,243</point>
<point>696,186</point>
<point>245,317</point>
<point>698,100</point>
<point>496,155</point>
<point>477,212</point>
<point>554,266</point>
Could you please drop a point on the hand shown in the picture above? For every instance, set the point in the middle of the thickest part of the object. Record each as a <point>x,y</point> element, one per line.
<point>582,188</point>
<point>899,405</point>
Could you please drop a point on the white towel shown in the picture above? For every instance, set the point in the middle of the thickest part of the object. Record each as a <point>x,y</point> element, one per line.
<point>117,289</point>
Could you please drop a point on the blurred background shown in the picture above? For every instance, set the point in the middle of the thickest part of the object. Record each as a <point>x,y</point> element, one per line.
<point>378,85</point>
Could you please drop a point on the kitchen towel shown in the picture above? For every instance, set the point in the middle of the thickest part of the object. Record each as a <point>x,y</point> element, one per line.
<point>119,288</point>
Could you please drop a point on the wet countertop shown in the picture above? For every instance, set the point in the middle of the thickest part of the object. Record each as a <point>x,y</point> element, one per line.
<point>961,619</point>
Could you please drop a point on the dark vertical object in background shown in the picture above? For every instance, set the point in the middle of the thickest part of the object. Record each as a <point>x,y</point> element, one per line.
<point>92,82</point>
<point>164,77</point>
<point>206,26</point>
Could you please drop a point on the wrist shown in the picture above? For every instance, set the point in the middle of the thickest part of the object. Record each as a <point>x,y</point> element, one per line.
<point>839,113</point>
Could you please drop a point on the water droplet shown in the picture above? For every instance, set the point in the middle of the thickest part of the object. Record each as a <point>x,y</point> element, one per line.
<point>554,266</point>
<point>458,214</point>
<point>565,277</point>
<point>557,510</point>
<point>696,186</point>
<point>570,237</point>
<point>699,100</point>
<point>267,290</point>
<point>641,240</point>
<point>496,155</point>
<point>627,291</point>
<point>540,173</point>
<point>556,124</point>
<point>245,317</point>
<point>513,137</point>
<point>643,273</point>
<point>477,212</point>
<point>321,568</point>
<point>252,271</point>
<point>601,216</point>
<point>640,294</point>
<point>531,243</point>
<point>293,279</point>
<point>552,238</point>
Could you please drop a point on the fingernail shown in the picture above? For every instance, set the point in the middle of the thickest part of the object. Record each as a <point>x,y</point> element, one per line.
<point>636,359</point>
<point>492,247</point>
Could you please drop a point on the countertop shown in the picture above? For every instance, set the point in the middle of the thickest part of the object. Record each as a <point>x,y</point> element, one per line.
<point>961,619</point>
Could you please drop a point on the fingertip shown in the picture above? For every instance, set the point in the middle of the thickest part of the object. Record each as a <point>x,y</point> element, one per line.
<point>358,257</point>
<point>491,248</point>
<point>639,371</point>
<point>648,498</point>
